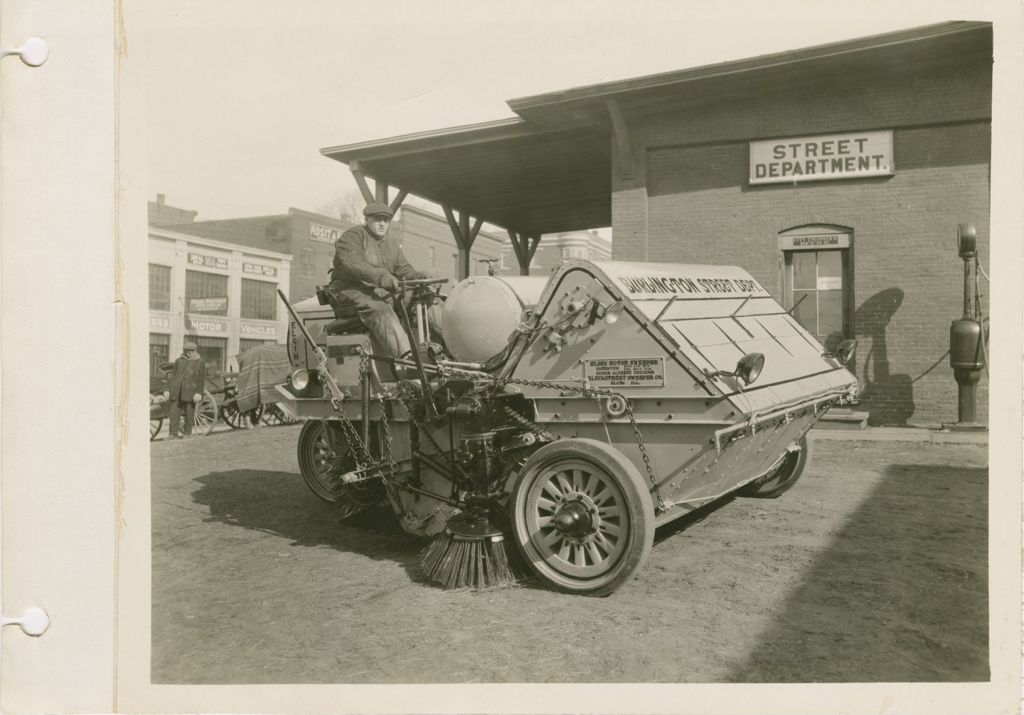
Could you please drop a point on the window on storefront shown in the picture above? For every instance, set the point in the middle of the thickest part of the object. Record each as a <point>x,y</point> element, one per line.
<point>159,354</point>
<point>246,343</point>
<point>307,263</point>
<point>159,287</point>
<point>206,293</point>
<point>213,351</point>
<point>817,281</point>
<point>259,300</point>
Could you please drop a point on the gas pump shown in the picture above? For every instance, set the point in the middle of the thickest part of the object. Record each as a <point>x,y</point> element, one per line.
<point>967,337</point>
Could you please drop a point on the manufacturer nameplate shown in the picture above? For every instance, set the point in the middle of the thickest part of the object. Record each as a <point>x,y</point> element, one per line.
<point>626,372</point>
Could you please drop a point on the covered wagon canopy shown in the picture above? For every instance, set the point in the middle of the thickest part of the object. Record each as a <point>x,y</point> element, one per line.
<point>551,169</point>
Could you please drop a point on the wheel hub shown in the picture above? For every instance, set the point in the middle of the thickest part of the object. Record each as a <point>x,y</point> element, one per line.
<point>576,517</point>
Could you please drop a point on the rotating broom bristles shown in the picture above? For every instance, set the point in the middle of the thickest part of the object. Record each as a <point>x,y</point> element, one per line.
<point>474,560</point>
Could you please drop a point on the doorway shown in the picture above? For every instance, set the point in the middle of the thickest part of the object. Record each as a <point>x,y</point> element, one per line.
<point>818,282</point>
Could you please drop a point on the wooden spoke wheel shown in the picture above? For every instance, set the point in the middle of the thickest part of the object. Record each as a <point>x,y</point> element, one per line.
<point>274,415</point>
<point>237,419</point>
<point>783,474</point>
<point>205,414</point>
<point>319,465</point>
<point>155,423</point>
<point>582,516</point>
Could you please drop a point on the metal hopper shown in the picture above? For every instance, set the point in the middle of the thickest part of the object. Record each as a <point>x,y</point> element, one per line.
<point>679,342</point>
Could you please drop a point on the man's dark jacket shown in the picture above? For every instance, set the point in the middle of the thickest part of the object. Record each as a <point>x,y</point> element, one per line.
<point>361,261</point>
<point>187,378</point>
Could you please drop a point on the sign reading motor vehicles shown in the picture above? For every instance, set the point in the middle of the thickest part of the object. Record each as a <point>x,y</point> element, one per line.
<point>820,158</point>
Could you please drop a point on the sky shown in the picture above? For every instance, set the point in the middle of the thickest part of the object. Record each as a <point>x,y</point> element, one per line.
<point>241,96</point>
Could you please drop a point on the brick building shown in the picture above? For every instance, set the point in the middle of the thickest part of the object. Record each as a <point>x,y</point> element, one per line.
<point>553,249</point>
<point>872,250</point>
<point>309,239</point>
<point>836,175</point>
<point>220,295</point>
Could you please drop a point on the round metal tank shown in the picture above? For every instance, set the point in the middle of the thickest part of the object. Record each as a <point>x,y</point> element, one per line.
<point>482,312</point>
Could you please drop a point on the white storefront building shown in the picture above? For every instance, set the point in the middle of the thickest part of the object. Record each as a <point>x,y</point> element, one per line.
<point>222,296</point>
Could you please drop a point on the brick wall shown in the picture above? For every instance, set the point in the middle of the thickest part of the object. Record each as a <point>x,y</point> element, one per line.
<point>688,200</point>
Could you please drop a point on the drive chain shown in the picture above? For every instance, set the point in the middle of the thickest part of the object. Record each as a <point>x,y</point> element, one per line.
<point>587,391</point>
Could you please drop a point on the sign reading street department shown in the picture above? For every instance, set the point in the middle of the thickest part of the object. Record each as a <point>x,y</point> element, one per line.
<point>323,234</point>
<point>819,158</point>
<point>626,372</point>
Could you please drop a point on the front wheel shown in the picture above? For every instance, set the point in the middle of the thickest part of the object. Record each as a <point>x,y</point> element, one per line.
<point>582,516</point>
<point>783,474</point>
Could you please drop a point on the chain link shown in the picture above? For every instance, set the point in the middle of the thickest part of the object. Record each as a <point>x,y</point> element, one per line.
<point>587,391</point>
<point>364,459</point>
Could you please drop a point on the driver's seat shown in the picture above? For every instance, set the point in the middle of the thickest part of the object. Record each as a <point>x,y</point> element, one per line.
<point>346,319</point>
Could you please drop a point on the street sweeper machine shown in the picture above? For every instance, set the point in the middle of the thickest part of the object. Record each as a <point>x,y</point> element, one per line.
<point>567,415</point>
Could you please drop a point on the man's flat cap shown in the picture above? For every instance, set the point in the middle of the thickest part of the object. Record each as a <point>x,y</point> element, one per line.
<point>376,207</point>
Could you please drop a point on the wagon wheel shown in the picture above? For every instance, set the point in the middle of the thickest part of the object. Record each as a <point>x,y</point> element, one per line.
<point>236,418</point>
<point>582,516</point>
<point>206,414</point>
<point>783,474</point>
<point>274,415</point>
<point>316,463</point>
<point>155,423</point>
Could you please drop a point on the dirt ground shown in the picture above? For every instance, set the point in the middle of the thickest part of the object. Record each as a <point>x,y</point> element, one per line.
<point>873,568</point>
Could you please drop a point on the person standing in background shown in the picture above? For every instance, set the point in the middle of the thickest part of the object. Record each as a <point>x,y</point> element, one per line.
<point>185,388</point>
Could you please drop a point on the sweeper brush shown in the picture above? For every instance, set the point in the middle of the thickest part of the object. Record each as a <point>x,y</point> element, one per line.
<point>468,554</point>
<point>559,420</point>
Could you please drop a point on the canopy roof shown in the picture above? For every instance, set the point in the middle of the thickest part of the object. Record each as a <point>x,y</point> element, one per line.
<point>549,170</point>
<point>510,172</point>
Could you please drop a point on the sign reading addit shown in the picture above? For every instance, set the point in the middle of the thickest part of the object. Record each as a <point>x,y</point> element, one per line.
<point>821,158</point>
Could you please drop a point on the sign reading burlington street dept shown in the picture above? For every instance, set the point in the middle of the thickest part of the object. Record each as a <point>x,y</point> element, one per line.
<point>641,281</point>
<point>820,158</point>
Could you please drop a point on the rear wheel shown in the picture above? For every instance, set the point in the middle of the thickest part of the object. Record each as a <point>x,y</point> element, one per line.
<point>783,475</point>
<point>238,419</point>
<point>582,516</point>
<point>206,414</point>
<point>319,466</point>
<point>274,415</point>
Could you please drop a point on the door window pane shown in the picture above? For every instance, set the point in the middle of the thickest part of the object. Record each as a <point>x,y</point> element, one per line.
<point>805,276</point>
<point>806,312</point>
<point>830,263</point>
<point>830,314</point>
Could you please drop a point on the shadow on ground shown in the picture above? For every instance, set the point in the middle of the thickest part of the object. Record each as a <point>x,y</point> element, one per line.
<point>279,503</point>
<point>922,594</point>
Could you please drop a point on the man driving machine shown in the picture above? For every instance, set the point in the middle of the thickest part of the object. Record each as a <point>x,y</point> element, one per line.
<point>368,265</point>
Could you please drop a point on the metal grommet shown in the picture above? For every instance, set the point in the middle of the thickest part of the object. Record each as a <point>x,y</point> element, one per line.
<point>615,406</point>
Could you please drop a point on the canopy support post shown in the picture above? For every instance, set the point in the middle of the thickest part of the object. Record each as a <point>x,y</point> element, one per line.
<point>525,247</point>
<point>464,235</point>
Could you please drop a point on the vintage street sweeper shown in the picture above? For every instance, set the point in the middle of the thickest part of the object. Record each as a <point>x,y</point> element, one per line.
<point>570,414</point>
